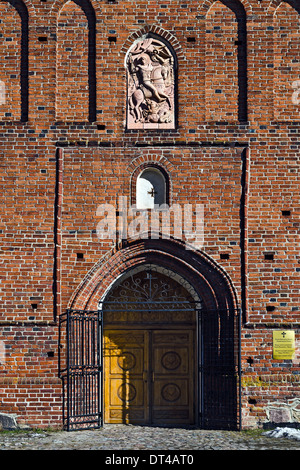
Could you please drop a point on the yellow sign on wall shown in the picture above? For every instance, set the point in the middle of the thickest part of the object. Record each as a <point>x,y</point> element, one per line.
<point>283,344</point>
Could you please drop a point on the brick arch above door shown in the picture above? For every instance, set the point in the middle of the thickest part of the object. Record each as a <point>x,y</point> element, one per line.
<point>209,280</point>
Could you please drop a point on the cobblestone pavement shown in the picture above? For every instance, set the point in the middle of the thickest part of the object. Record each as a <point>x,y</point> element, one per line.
<point>138,438</point>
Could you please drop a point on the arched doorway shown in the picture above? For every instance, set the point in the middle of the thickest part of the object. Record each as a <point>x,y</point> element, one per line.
<point>150,355</point>
<point>203,305</point>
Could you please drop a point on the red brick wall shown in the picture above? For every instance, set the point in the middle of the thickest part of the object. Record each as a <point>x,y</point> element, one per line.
<point>203,156</point>
<point>30,388</point>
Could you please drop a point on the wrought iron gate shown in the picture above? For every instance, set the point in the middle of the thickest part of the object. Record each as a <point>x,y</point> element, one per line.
<point>219,372</point>
<point>80,368</point>
<point>220,369</point>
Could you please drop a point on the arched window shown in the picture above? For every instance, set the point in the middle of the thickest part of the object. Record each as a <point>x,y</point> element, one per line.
<point>151,189</point>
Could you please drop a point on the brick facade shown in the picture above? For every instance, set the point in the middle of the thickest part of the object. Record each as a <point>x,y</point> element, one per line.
<point>65,150</point>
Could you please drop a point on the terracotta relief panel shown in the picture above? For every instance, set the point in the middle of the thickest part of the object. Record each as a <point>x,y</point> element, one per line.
<point>150,85</point>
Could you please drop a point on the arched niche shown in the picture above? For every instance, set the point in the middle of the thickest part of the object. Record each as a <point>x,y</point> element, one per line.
<point>151,188</point>
<point>151,84</point>
<point>286,33</point>
<point>14,61</point>
<point>76,62</point>
<point>226,62</point>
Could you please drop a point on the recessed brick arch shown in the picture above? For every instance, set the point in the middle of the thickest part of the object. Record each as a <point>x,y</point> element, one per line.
<point>63,60</point>
<point>207,4</point>
<point>274,4</point>
<point>85,5</point>
<point>209,280</point>
<point>239,99</point>
<point>15,70</point>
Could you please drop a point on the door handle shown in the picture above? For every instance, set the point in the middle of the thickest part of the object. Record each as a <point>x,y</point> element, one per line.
<point>152,376</point>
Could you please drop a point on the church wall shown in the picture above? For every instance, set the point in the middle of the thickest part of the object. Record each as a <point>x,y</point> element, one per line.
<point>65,150</point>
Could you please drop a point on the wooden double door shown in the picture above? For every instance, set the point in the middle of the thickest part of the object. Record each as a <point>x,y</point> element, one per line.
<point>149,376</point>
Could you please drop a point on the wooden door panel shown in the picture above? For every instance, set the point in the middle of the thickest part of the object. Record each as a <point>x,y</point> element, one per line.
<point>173,376</point>
<point>126,393</point>
<point>178,337</point>
<point>171,360</point>
<point>171,394</point>
<point>128,361</point>
<point>149,376</point>
<point>126,390</point>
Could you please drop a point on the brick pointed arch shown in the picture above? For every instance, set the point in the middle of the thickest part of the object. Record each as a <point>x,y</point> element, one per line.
<point>275,4</point>
<point>286,47</point>
<point>239,100</point>
<point>209,280</point>
<point>64,61</point>
<point>59,4</point>
<point>15,60</point>
<point>205,5</point>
